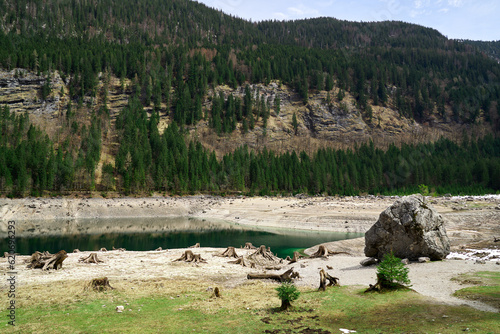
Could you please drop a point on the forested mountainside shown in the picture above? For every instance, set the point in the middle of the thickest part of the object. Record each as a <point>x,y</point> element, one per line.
<point>492,48</point>
<point>135,95</point>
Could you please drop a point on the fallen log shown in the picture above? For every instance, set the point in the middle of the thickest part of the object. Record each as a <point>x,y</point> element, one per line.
<point>229,252</point>
<point>47,261</point>
<point>92,258</point>
<point>325,252</point>
<point>323,276</point>
<point>99,284</point>
<point>287,276</point>
<point>189,256</point>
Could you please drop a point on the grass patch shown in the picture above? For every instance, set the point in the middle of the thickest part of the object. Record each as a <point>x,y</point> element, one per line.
<point>170,306</point>
<point>487,289</point>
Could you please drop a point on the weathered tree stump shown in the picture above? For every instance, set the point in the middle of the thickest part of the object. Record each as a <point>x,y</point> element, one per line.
<point>103,250</point>
<point>325,252</point>
<point>92,258</point>
<point>197,245</point>
<point>159,249</point>
<point>287,276</point>
<point>249,245</point>
<point>47,261</point>
<point>265,253</point>
<point>296,257</point>
<point>229,252</point>
<point>76,250</point>
<point>323,276</point>
<point>189,256</point>
<point>99,284</point>
<point>241,261</point>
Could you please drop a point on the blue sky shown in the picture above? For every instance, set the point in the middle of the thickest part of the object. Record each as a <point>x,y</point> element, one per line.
<point>462,19</point>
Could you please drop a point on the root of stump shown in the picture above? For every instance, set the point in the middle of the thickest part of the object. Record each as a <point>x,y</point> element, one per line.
<point>189,256</point>
<point>92,258</point>
<point>46,260</point>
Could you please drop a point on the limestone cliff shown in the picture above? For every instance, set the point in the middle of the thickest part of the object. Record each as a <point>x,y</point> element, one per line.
<point>320,122</point>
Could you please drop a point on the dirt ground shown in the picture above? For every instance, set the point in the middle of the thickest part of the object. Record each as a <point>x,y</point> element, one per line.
<point>471,223</point>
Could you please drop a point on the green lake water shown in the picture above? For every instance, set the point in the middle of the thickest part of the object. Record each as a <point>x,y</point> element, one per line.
<point>169,234</point>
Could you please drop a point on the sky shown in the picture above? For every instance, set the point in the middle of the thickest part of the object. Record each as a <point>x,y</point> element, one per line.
<point>457,19</point>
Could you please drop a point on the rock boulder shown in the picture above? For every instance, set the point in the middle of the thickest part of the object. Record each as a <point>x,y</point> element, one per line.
<point>411,229</point>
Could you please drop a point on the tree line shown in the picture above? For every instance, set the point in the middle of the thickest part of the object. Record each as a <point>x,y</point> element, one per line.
<point>148,161</point>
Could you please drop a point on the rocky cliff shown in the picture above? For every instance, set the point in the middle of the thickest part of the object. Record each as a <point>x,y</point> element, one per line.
<point>320,122</point>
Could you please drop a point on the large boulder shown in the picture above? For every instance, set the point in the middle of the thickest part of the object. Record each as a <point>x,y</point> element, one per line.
<point>410,228</point>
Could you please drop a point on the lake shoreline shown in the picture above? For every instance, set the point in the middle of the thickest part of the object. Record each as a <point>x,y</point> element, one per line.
<point>468,219</point>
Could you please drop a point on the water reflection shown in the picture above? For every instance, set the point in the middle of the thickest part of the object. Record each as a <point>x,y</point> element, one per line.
<point>145,235</point>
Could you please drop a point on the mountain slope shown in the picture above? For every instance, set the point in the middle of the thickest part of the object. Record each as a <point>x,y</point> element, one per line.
<point>82,68</point>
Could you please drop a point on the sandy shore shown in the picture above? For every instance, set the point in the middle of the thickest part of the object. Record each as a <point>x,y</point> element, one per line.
<point>471,222</point>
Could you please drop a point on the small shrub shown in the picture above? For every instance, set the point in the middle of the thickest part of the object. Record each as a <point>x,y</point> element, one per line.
<point>392,271</point>
<point>287,292</point>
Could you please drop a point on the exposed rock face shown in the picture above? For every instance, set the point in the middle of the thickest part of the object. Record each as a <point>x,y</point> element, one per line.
<point>411,229</point>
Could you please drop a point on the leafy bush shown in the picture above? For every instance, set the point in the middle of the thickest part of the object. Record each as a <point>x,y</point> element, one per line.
<point>287,292</point>
<point>392,271</point>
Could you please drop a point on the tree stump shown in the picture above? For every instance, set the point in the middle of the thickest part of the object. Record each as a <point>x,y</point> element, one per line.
<point>249,245</point>
<point>241,261</point>
<point>196,246</point>
<point>103,250</point>
<point>189,256</point>
<point>296,257</point>
<point>159,249</point>
<point>217,293</point>
<point>287,276</point>
<point>47,261</point>
<point>229,252</point>
<point>76,250</point>
<point>325,252</point>
<point>92,258</point>
<point>265,253</point>
<point>323,276</point>
<point>99,284</point>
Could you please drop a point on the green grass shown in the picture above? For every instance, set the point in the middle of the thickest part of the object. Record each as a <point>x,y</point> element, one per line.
<point>252,308</point>
<point>487,289</point>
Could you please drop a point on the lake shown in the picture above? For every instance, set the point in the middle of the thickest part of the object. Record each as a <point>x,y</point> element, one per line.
<point>149,234</point>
